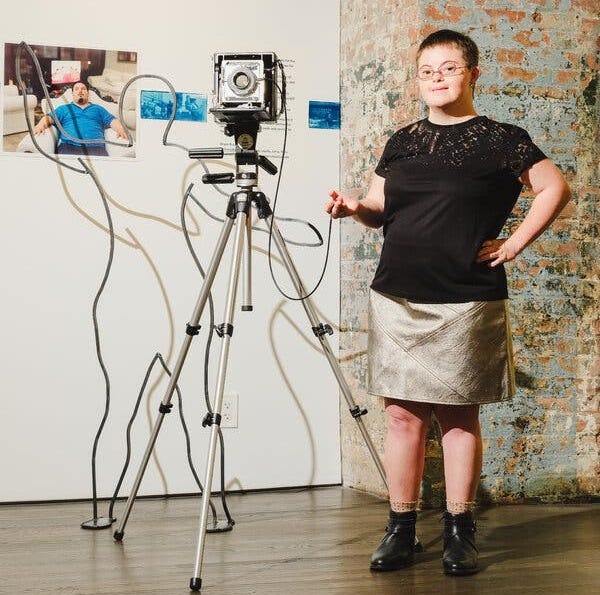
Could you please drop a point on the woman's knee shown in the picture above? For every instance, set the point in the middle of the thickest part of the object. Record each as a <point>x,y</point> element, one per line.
<point>407,418</point>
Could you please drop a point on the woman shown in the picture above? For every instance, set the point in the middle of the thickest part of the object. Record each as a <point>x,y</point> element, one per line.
<point>439,341</point>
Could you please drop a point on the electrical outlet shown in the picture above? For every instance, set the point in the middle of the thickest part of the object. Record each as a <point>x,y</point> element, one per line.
<point>229,410</point>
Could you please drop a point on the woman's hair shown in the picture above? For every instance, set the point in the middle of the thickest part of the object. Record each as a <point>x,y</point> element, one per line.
<point>449,37</point>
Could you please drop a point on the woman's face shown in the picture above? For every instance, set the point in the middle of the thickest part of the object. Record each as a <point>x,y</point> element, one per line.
<point>450,80</point>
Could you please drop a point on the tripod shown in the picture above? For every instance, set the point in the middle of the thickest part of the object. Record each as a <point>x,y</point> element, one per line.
<point>238,215</point>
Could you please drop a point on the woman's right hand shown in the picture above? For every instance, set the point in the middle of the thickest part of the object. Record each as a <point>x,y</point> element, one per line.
<point>341,206</point>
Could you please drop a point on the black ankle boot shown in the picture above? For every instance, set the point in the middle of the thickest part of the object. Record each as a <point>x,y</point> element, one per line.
<point>460,553</point>
<point>397,549</point>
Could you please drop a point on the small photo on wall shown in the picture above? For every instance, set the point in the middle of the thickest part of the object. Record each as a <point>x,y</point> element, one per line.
<point>77,80</point>
<point>324,114</point>
<point>158,105</point>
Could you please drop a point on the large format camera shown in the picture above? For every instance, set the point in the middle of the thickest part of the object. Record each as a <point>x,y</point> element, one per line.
<point>245,87</point>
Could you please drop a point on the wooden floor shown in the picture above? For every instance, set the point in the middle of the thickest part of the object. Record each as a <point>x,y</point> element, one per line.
<point>290,543</point>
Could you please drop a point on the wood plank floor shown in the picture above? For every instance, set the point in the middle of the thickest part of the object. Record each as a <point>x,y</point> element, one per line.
<point>290,543</point>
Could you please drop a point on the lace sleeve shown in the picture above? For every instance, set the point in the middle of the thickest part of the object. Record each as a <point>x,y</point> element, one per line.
<point>382,166</point>
<point>524,153</point>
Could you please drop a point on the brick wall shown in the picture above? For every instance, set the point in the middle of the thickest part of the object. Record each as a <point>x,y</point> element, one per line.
<point>540,71</point>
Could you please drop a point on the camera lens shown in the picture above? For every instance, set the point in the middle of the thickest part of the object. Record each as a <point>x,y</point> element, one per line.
<point>241,81</point>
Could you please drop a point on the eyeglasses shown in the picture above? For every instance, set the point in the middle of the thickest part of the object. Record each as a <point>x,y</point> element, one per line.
<point>449,68</point>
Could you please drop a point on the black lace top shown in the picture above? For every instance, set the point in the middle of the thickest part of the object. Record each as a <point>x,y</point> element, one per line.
<point>447,190</point>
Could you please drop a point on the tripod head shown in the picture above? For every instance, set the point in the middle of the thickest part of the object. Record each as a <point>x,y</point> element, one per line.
<point>247,159</point>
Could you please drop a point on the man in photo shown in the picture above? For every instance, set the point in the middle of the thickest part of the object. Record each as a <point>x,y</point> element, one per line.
<point>81,120</point>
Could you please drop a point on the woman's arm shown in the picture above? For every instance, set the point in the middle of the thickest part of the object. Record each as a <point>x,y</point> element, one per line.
<point>552,193</point>
<point>368,211</point>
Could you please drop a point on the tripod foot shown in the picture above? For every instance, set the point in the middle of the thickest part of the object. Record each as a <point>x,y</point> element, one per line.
<point>195,584</point>
<point>98,523</point>
<point>118,535</point>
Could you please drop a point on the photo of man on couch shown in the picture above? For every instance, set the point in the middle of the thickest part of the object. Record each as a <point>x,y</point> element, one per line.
<point>84,87</point>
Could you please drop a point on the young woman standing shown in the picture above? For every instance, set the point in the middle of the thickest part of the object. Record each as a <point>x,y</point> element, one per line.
<point>439,337</point>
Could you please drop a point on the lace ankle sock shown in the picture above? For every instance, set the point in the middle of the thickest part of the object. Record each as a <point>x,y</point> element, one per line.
<point>459,507</point>
<point>399,506</point>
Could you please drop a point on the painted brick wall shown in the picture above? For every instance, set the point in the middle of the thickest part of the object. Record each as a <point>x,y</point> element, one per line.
<point>540,71</point>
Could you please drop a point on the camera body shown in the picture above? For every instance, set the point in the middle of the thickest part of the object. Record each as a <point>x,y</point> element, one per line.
<point>245,87</point>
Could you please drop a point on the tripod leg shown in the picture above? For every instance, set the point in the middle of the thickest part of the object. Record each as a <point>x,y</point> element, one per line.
<point>214,420</point>
<point>247,284</point>
<point>165,406</point>
<point>321,331</point>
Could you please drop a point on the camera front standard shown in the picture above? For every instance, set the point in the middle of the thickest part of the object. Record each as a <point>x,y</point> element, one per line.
<point>245,87</point>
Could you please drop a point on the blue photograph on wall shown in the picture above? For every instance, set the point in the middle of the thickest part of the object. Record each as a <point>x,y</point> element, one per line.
<point>324,114</point>
<point>158,105</point>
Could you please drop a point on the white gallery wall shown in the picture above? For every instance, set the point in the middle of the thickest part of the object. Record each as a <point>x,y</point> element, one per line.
<point>54,250</point>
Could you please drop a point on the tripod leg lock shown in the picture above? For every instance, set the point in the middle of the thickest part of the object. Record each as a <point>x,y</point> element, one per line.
<point>263,209</point>
<point>224,329</point>
<point>192,329</point>
<point>211,419</point>
<point>356,411</point>
<point>322,329</point>
<point>165,408</point>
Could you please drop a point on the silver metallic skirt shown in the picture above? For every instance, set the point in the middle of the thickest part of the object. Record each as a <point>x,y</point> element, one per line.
<point>452,354</point>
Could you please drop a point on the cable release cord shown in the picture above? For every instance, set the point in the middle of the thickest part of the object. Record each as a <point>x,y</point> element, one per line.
<point>316,244</point>
<point>282,94</point>
<point>97,336</point>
